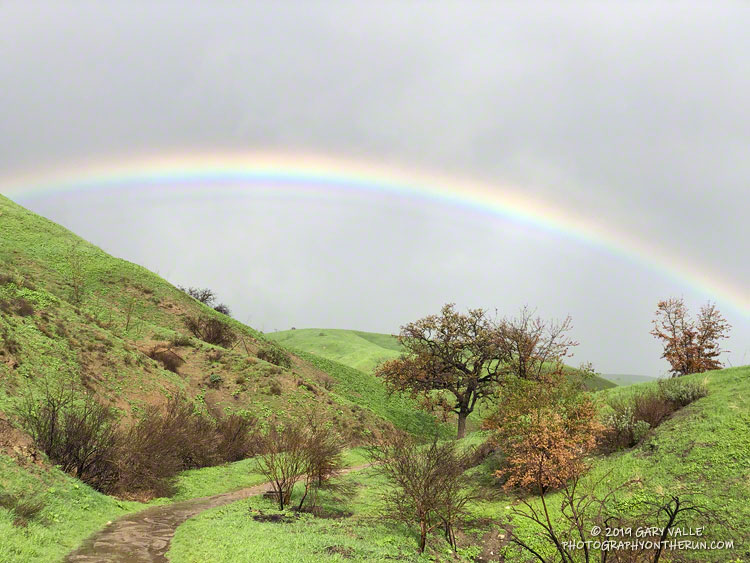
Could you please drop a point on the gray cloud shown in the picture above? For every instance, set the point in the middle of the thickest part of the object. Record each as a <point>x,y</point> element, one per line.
<point>635,115</point>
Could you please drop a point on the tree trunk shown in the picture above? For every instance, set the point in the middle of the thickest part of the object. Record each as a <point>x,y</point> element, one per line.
<point>462,424</point>
<point>422,536</point>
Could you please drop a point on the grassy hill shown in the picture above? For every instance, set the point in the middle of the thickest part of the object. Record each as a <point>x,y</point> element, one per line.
<point>70,312</point>
<point>703,448</point>
<point>627,379</point>
<point>360,350</point>
<point>364,350</point>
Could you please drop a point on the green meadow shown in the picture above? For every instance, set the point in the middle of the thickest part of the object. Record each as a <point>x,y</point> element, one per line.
<point>103,341</point>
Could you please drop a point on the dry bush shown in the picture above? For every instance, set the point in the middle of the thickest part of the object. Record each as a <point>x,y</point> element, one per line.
<point>164,442</point>
<point>545,428</point>
<point>75,431</point>
<point>211,330</point>
<point>429,485</point>
<point>166,357</point>
<point>18,306</point>
<point>275,355</point>
<point>632,417</point>
<point>236,437</point>
<point>323,451</point>
<point>652,408</point>
<point>284,459</point>
<point>223,309</point>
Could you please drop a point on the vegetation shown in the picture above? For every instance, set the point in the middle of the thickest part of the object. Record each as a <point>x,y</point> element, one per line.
<point>429,486</point>
<point>86,369</point>
<point>363,351</point>
<point>453,360</point>
<point>690,346</point>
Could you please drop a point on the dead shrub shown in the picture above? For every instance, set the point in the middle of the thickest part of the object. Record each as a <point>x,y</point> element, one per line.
<point>428,484</point>
<point>275,355</point>
<point>631,418</point>
<point>164,442</point>
<point>166,357</point>
<point>300,450</point>
<point>236,439</point>
<point>651,408</point>
<point>75,431</point>
<point>211,330</point>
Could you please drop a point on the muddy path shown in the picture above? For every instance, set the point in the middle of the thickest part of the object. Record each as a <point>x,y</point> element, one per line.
<point>145,536</point>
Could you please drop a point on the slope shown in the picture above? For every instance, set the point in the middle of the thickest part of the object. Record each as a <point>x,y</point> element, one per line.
<point>360,350</point>
<point>364,351</point>
<point>71,313</point>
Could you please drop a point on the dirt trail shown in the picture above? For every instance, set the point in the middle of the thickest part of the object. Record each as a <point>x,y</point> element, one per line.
<point>145,536</point>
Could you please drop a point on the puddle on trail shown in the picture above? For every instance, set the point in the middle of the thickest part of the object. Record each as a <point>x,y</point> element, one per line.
<point>145,536</point>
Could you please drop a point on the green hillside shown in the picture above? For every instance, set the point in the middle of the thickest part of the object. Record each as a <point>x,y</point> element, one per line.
<point>364,350</point>
<point>627,379</point>
<point>360,350</point>
<point>71,313</point>
<point>702,449</point>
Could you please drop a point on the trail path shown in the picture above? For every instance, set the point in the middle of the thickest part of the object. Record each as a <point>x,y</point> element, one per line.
<point>145,536</point>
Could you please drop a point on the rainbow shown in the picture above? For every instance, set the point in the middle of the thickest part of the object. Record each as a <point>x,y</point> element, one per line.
<point>306,174</point>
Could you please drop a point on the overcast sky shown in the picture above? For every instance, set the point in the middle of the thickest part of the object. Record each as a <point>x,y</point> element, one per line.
<point>636,114</point>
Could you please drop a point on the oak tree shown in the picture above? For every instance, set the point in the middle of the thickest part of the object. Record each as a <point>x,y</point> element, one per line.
<point>451,360</point>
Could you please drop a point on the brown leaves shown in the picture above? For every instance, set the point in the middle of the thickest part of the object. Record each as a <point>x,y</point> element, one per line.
<point>690,346</point>
<point>545,428</point>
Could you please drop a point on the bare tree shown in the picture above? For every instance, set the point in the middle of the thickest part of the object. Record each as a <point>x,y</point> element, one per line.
<point>284,459</point>
<point>532,346</point>
<point>429,486</point>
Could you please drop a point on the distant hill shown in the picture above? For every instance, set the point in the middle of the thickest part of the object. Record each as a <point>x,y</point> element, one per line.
<point>353,348</point>
<point>627,379</point>
<point>363,350</point>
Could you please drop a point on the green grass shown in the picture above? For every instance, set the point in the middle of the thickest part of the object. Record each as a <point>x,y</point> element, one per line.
<point>229,533</point>
<point>627,379</point>
<point>361,350</point>
<point>368,392</point>
<point>72,511</point>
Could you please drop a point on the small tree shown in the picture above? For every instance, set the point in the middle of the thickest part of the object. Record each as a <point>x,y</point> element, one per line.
<point>452,353</point>
<point>284,459</point>
<point>545,427</point>
<point>429,485</point>
<point>323,451</point>
<point>76,262</point>
<point>690,346</point>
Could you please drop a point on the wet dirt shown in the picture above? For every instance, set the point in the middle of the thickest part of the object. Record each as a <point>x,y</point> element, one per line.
<point>145,536</point>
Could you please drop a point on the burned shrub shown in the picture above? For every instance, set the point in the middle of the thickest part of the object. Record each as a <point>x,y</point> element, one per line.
<point>18,306</point>
<point>632,417</point>
<point>236,440</point>
<point>275,355</point>
<point>166,357</point>
<point>162,443</point>
<point>223,309</point>
<point>204,295</point>
<point>76,432</point>
<point>211,330</point>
